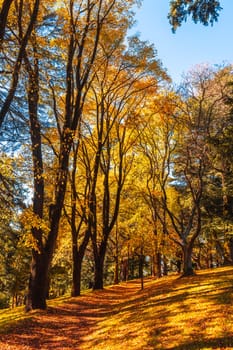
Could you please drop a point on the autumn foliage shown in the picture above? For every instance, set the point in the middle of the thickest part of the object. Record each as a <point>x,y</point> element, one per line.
<point>108,173</point>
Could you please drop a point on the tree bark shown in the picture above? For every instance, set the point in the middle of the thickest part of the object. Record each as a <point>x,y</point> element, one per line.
<point>15,75</point>
<point>231,248</point>
<point>78,255</point>
<point>99,273</point>
<point>165,266</point>
<point>38,282</point>
<point>187,258</point>
<point>116,273</point>
<point>3,17</point>
<point>158,265</point>
<point>77,267</point>
<point>72,118</point>
<point>141,265</point>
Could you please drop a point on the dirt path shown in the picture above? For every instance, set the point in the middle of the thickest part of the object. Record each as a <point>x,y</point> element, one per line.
<point>65,326</point>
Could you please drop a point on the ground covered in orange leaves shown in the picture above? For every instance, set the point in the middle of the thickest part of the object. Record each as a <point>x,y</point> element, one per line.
<point>170,313</point>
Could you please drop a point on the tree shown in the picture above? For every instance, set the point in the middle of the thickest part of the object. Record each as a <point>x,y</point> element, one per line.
<point>117,110</point>
<point>3,17</point>
<point>203,103</point>
<point>24,33</point>
<point>14,255</point>
<point>82,201</point>
<point>218,199</point>
<point>76,211</point>
<point>157,144</point>
<point>80,36</point>
<point>203,11</point>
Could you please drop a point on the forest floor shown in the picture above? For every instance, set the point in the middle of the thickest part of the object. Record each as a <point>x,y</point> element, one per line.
<point>170,313</point>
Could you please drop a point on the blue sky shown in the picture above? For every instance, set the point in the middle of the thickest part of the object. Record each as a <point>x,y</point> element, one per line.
<point>192,44</point>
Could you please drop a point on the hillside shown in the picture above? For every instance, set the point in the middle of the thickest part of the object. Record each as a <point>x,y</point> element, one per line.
<point>170,313</point>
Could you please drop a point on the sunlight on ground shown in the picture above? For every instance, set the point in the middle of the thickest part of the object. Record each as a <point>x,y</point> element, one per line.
<point>187,313</point>
<point>11,315</point>
<point>171,313</point>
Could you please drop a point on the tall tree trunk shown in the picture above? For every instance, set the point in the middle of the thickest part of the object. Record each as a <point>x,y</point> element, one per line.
<point>99,256</point>
<point>76,275</point>
<point>99,273</point>
<point>41,261</point>
<point>3,17</point>
<point>158,265</point>
<point>187,258</point>
<point>38,282</point>
<point>16,70</point>
<point>78,255</point>
<point>141,265</point>
<point>116,272</point>
<point>165,267</point>
<point>125,269</point>
<point>72,117</point>
<point>211,260</point>
<point>231,248</point>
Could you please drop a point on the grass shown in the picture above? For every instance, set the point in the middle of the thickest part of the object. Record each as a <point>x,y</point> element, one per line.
<point>10,318</point>
<point>186,313</point>
<point>13,317</point>
<point>170,313</point>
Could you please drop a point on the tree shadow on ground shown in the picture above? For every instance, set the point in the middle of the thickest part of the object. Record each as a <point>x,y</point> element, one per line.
<point>163,309</point>
<point>215,343</point>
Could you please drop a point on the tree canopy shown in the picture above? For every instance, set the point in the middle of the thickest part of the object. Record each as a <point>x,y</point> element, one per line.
<point>203,11</point>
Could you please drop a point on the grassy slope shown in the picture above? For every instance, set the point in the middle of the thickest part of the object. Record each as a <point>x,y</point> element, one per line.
<point>187,313</point>
<point>170,313</point>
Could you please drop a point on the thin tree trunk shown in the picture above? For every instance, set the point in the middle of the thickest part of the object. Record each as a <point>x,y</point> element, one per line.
<point>165,267</point>
<point>158,265</point>
<point>231,248</point>
<point>141,265</point>
<point>116,273</point>
<point>78,255</point>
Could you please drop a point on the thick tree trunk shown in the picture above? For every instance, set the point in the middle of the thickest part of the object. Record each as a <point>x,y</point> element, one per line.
<point>125,269</point>
<point>73,111</point>
<point>210,260</point>
<point>38,282</point>
<point>16,71</point>
<point>3,17</point>
<point>187,258</point>
<point>99,256</point>
<point>99,273</point>
<point>41,259</point>
<point>77,267</point>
